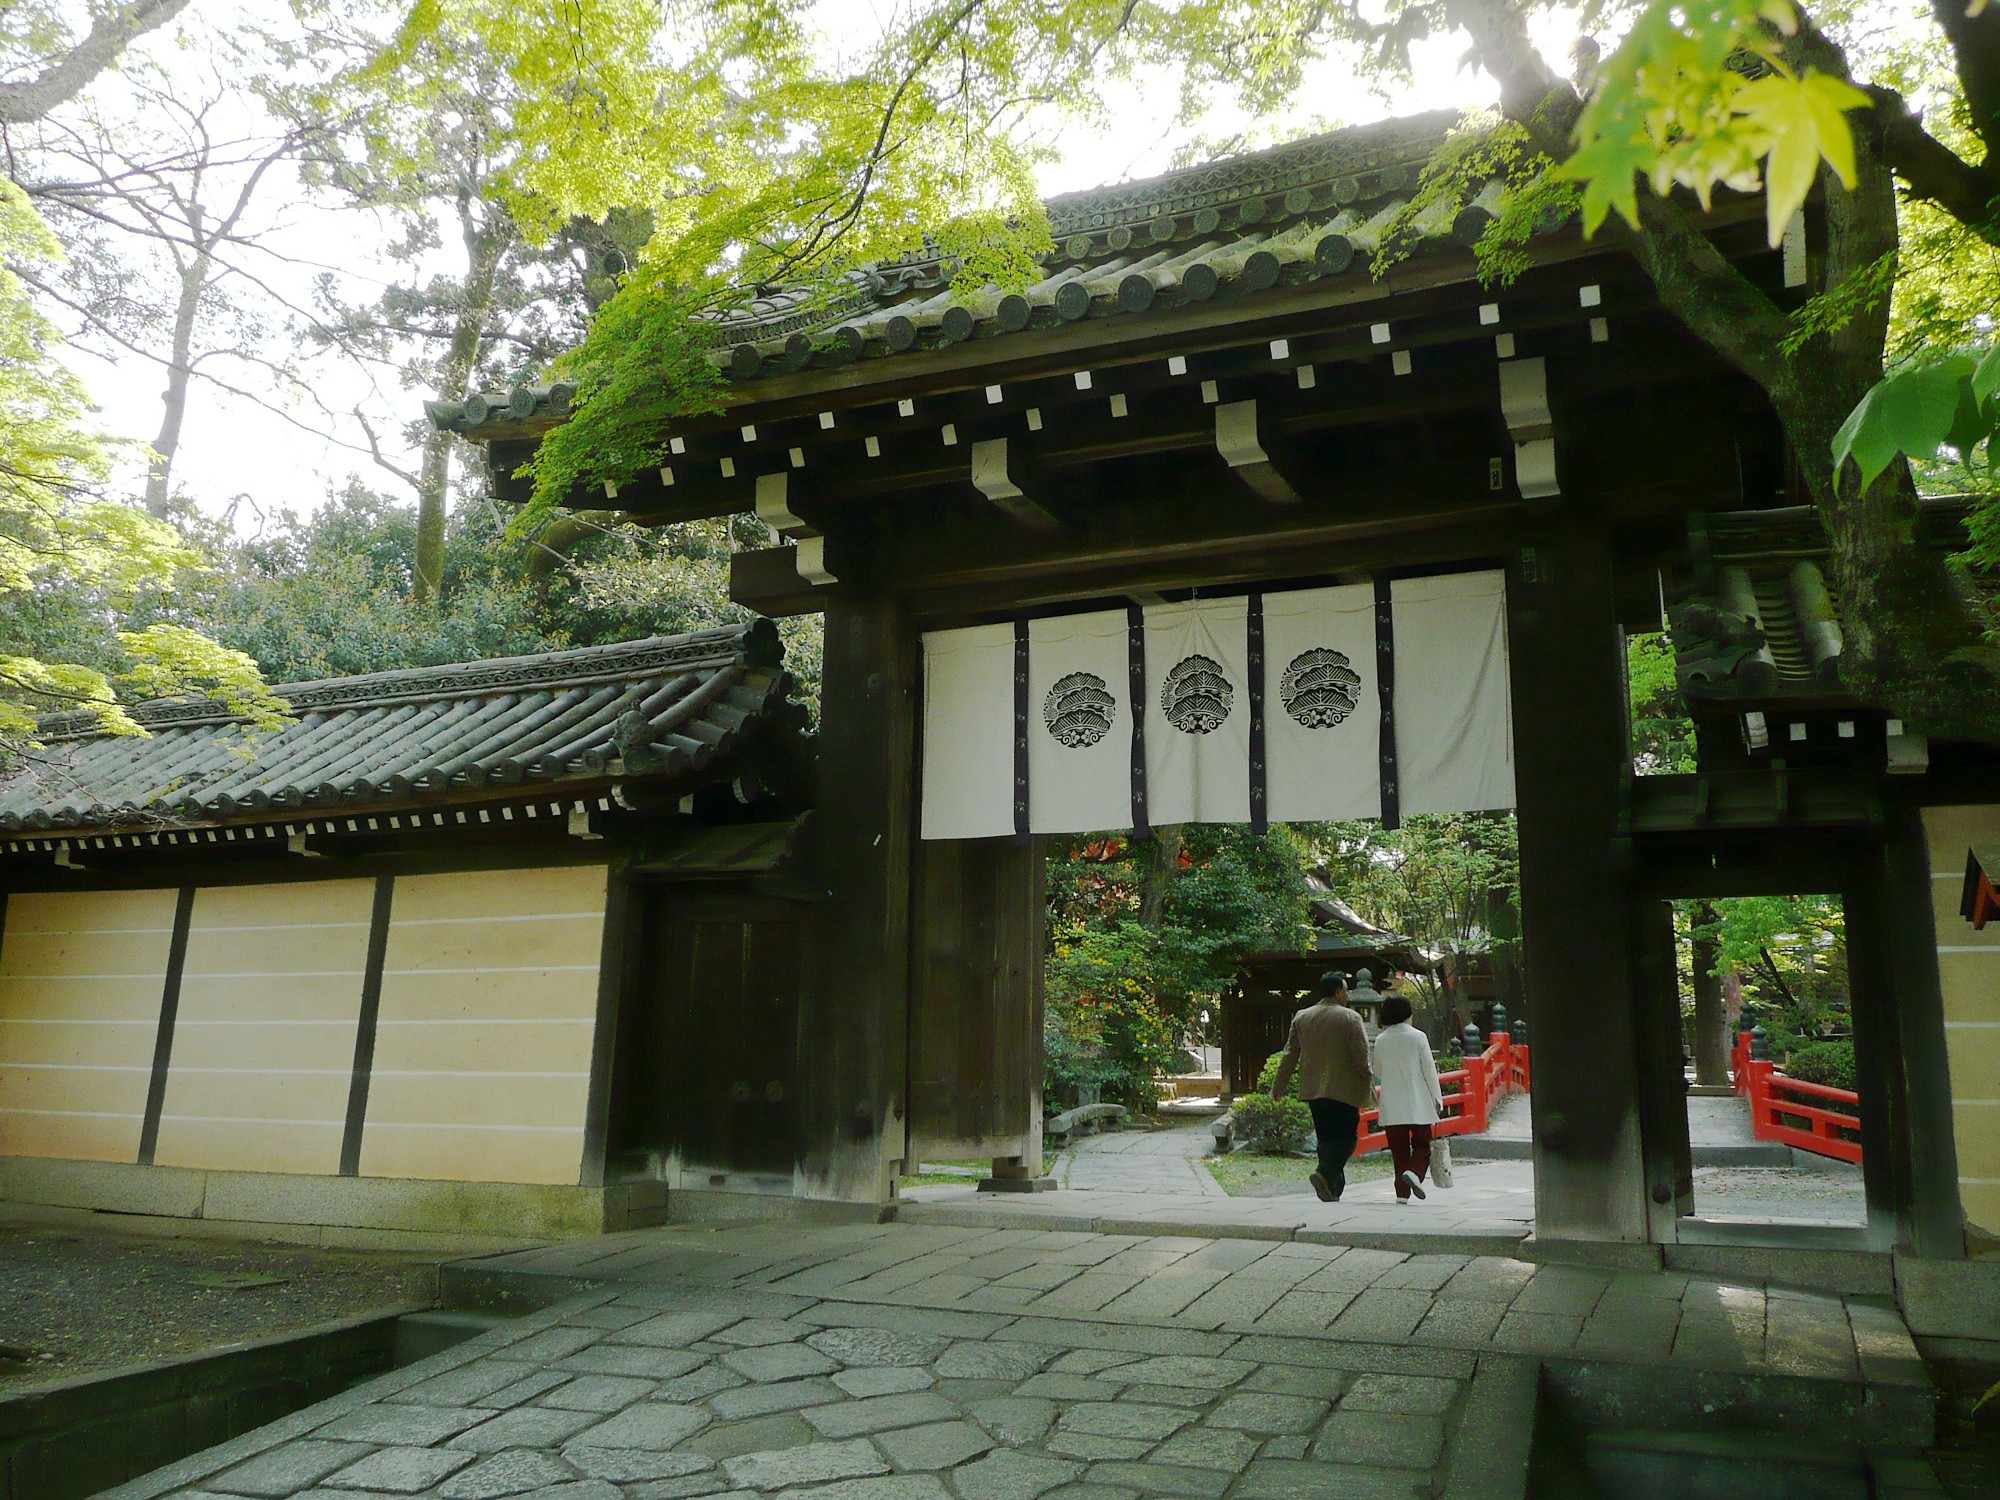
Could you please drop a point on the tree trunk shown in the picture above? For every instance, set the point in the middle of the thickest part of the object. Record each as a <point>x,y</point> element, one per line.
<point>180,371</point>
<point>484,249</point>
<point>1912,633</point>
<point>1160,878</point>
<point>1711,1040</point>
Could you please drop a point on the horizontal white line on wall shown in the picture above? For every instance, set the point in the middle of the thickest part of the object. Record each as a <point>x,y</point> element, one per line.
<point>73,1114</point>
<point>538,916</point>
<point>89,931</point>
<point>1972,1026</point>
<point>157,977</point>
<point>198,928</point>
<point>187,974</point>
<point>152,1021</point>
<point>497,969</point>
<point>503,1021</point>
<point>180,1070</point>
<point>1976,1101</point>
<point>516,1129</point>
<point>244,1120</point>
<point>1980,1181</point>
<point>1992,947</point>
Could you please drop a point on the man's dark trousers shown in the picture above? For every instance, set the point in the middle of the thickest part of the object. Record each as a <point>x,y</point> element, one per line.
<point>1338,1127</point>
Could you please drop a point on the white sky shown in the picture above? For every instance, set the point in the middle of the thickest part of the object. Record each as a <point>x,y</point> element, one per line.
<point>239,451</point>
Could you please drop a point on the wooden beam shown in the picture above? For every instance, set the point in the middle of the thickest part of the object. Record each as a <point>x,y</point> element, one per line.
<point>1253,456</point>
<point>1005,476</point>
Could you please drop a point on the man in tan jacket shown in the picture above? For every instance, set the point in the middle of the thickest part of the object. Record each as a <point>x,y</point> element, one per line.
<point>1328,1050</point>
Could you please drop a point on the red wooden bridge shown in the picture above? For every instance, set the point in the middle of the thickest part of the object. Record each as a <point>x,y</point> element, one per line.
<point>1469,1092</point>
<point>1811,1116</point>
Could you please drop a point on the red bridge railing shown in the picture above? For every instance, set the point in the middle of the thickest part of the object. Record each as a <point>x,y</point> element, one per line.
<point>1469,1092</point>
<point>1814,1117</point>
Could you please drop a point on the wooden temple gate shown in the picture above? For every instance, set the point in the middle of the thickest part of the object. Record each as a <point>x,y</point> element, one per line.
<point>1210,394</point>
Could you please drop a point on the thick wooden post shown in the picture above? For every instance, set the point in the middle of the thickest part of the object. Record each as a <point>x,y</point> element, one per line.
<point>976,1003</point>
<point>854,1010</point>
<point>1569,749</point>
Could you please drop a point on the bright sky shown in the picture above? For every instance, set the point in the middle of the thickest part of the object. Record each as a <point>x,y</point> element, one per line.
<point>239,452</point>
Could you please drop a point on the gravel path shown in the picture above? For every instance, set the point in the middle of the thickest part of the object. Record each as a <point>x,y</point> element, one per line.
<point>72,1301</point>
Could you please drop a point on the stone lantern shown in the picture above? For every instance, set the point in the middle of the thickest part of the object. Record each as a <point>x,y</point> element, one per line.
<point>1364,998</point>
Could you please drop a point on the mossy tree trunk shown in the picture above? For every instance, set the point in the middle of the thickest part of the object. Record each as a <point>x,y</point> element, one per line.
<point>1913,632</point>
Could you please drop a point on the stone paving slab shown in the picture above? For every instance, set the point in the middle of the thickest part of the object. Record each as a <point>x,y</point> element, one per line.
<point>1379,1384</point>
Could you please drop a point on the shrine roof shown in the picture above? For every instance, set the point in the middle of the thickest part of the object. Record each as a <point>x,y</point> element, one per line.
<point>1304,211</point>
<point>559,723</point>
<point>1755,617</point>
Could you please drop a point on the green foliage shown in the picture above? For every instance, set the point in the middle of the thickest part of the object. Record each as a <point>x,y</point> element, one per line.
<point>1125,984</point>
<point>1662,732</point>
<point>1828,1063</point>
<point>1675,105</point>
<point>1449,882</point>
<point>1917,411</point>
<point>1267,1076</point>
<point>1104,1024</point>
<point>1790,955</point>
<point>73,563</point>
<point>328,595</point>
<point>1275,1127</point>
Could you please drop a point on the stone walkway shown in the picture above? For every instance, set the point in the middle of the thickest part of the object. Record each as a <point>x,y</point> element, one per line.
<point>906,1362</point>
<point>1136,1186</point>
<point>1157,1163</point>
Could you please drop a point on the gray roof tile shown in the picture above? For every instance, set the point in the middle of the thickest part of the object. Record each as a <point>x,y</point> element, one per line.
<point>667,707</point>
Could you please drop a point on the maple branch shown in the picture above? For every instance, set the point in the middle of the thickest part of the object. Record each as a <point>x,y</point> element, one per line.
<point>1934,172</point>
<point>63,80</point>
<point>1695,281</point>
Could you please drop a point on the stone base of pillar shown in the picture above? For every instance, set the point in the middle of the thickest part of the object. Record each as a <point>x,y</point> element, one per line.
<point>1017,1184</point>
<point>1616,1255</point>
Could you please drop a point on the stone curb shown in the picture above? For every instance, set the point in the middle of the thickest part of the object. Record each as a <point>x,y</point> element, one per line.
<point>199,1466</point>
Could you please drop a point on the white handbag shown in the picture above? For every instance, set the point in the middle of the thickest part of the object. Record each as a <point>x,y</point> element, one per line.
<point>1441,1162</point>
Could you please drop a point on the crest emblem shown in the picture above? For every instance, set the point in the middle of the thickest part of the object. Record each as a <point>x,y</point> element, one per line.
<point>1319,688</point>
<point>1196,697</point>
<point>1078,710</point>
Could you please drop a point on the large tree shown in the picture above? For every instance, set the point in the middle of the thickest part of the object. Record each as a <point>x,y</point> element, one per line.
<point>1731,93</point>
<point>74,561</point>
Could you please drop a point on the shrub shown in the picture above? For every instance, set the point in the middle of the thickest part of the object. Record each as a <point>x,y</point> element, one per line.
<point>1828,1063</point>
<point>1269,1072</point>
<point>1276,1127</point>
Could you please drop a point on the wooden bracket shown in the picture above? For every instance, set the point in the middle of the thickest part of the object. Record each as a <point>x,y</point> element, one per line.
<point>1524,402</point>
<point>1009,481</point>
<point>1250,454</point>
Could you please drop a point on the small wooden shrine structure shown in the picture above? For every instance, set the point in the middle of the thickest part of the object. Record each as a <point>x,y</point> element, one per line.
<point>1208,402</point>
<point>1271,987</point>
<point>509,947</point>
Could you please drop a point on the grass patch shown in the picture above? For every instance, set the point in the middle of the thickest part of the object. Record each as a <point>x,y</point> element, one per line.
<point>970,1170</point>
<point>1248,1175</point>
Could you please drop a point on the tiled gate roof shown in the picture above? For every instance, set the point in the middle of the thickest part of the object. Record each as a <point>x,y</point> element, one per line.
<point>1303,211</point>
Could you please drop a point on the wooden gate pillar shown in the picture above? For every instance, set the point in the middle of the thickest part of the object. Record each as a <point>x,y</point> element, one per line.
<point>854,1008</point>
<point>1570,750</point>
<point>976,952</point>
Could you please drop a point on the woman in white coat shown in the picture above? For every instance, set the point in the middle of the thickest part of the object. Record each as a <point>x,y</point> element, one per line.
<point>1411,1101</point>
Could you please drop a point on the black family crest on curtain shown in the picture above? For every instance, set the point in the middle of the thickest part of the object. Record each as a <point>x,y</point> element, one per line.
<point>1242,709</point>
<point>1196,696</point>
<point>1079,709</point>
<point>1320,688</point>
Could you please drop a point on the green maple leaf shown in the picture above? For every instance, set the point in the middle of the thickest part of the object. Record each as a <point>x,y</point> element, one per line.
<point>1913,412</point>
<point>1805,119</point>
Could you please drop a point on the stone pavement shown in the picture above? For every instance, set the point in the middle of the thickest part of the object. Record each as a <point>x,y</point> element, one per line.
<point>1159,1163</point>
<point>907,1362</point>
<point>1489,1210</point>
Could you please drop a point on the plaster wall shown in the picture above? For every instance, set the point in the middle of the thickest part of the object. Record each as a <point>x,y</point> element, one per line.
<point>1969,972</point>
<point>488,1016</point>
<point>263,1050</point>
<point>80,983</point>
